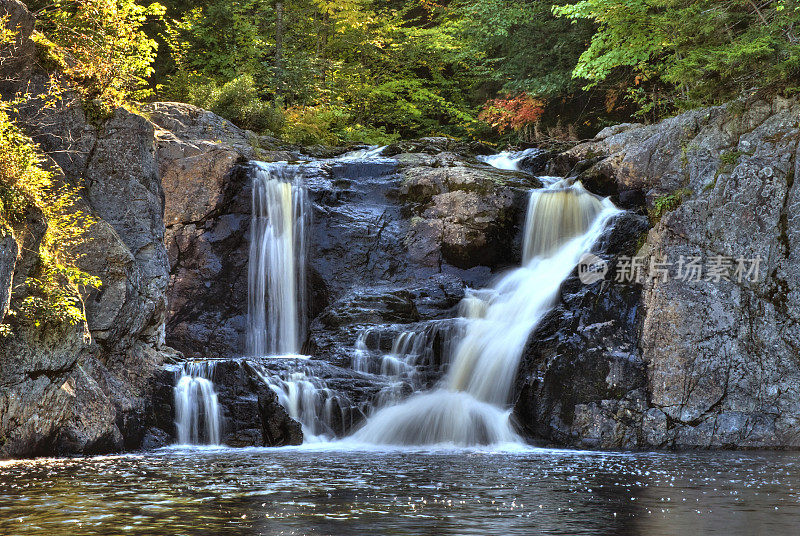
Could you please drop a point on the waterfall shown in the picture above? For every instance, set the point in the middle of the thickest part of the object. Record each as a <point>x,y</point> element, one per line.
<point>555,216</point>
<point>370,153</point>
<point>197,411</point>
<point>276,272</point>
<point>471,405</point>
<point>510,160</point>
<point>307,399</point>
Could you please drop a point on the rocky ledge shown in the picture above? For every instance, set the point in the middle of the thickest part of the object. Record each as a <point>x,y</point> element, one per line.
<point>677,361</point>
<point>664,361</point>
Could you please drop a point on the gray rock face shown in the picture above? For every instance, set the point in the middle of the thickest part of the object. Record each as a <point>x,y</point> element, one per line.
<point>721,355</point>
<point>462,211</point>
<point>206,217</point>
<point>85,388</point>
<point>8,261</point>
<point>124,190</point>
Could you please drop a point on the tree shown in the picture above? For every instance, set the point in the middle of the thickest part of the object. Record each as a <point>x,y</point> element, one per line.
<point>105,49</point>
<point>690,52</point>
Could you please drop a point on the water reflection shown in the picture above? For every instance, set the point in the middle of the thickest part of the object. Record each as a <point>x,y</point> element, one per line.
<point>345,492</point>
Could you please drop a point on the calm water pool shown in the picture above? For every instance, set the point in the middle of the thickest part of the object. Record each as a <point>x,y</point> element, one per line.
<point>335,489</point>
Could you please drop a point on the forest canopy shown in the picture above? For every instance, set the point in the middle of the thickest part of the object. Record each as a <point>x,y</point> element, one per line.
<point>513,71</point>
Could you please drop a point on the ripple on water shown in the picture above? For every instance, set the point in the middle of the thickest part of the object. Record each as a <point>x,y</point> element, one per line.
<point>341,489</point>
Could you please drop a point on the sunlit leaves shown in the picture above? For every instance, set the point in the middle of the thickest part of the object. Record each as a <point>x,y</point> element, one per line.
<point>53,288</point>
<point>108,55</point>
<point>703,52</point>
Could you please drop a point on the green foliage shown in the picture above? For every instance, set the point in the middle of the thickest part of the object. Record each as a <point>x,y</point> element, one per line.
<point>309,125</point>
<point>522,46</point>
<point>728,160</point>
<point>238,101</point>
<point>668,203</point>
<point>680,54</point>
<point>100,45</point>
<point>392,68</point>
<point>53,288</point>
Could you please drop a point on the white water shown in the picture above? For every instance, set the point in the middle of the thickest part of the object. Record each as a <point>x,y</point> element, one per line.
<point>509,160</point>
<point>471,405</point>
<point>276,271</point>
<point>556,215</point>
<point>197,411</point>
<point>371,152</point>
<point>307,399</point>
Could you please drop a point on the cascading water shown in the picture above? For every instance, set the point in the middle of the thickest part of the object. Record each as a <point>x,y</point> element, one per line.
<point>510,160</point>
<point>369,153</point>
<point>556,215</point>
<point>470,408</point>
<point>306,398</point>
<point>197,412</point>
<point>276,272</point>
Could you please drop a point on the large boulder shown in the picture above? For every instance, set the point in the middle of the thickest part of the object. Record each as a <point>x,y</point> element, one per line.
<point>720,349</point>
<point>84,387</point>
<point>465,215</point>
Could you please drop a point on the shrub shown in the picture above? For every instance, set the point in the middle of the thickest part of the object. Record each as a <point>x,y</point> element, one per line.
<point>668,203</point>
<point>53,288</point>
<point>236,100</point>
<point>103,46</point>
<point>518,113</point>
<point>330,125</point>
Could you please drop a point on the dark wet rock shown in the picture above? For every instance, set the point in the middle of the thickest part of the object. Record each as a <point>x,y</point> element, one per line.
<point>431,146</point>
<point>385,313</point>
<point>721,355</point>
<point>208,282</point>
<point>343,397</point>
<point>582,370</point>
<point>155,438</point>
<point>535,163</point>
<point>251,413</point>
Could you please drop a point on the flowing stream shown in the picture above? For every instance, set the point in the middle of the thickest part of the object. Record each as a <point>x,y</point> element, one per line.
<point>510,160</point>
<point>197,411</point>
<point>470,407</point>
<point>276,272</point>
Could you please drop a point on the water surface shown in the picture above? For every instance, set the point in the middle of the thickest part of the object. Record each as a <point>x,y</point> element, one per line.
<point>335,489</point>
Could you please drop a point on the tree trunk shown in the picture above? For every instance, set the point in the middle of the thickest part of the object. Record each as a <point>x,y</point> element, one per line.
<point>278,34</point>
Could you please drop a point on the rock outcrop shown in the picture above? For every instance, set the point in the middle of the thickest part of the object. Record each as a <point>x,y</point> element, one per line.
<point>89,387</point>
<point>85,388</point>
<point>721,349</point>
<point>206,220</point>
